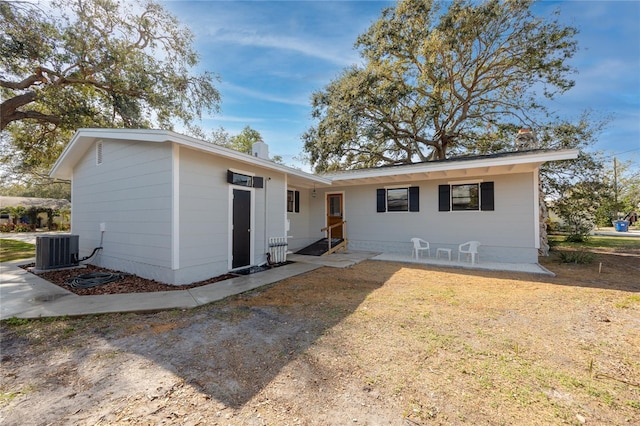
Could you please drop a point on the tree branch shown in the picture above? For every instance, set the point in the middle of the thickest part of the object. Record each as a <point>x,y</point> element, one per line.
<point>26,83</point>
<point>9,111</point>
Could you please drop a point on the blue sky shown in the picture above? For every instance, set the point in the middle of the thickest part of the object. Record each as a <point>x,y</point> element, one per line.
<point>272,55</point>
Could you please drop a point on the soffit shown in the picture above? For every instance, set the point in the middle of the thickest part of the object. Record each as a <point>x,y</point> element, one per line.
<point>454,169</point>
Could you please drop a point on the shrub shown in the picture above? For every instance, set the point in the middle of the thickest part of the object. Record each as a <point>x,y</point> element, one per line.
<point>576,238</point>
<point>579,257</point>
<point>22,227</point>
<point>6,227</point>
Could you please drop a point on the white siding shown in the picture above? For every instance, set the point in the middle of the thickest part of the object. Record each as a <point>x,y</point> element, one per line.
<point>203,212</point>
<point>299,223</point>
<point>274,222</point>
<point>130,192</point>
<point>506,233</point>
<point>205,233</point>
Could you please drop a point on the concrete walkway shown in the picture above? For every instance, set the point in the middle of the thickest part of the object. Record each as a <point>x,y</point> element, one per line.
<point>611,232</point>
<point>25,295</point>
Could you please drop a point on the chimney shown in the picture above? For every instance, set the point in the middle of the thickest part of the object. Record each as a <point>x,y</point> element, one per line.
<point>526,139</point>
<point>260,149</point>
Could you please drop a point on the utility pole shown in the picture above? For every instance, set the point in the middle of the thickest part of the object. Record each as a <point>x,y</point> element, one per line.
<point>615,180</point>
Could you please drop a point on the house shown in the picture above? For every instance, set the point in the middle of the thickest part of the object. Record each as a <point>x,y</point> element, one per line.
<point>38,212</point>
<point>177,209</point>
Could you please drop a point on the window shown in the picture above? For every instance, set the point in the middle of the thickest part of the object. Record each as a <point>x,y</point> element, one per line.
<point>466,197</point>
<point>244,180</point>
<point>239,179</point>
<point>293,201</point>
<point>398,199</point>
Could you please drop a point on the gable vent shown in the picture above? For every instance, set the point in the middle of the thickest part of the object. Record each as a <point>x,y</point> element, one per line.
<point>98,153</point>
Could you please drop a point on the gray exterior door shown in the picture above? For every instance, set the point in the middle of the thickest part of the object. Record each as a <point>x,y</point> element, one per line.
<point>241,250</point>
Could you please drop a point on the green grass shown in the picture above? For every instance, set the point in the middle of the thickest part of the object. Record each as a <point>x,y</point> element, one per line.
<point>627,302</point>
<point>14,250</point>
<point>621,243</point>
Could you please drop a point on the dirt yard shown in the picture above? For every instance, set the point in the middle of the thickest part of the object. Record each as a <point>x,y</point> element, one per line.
<point>378,343</point>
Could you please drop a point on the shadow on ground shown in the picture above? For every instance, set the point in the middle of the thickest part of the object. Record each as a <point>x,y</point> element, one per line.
<point>232,350</point>
<point>229,350</point>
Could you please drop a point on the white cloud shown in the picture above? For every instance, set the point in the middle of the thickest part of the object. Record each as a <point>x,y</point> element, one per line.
<point>233,119</point>
<point>267,96</point>
<point>307,47</point>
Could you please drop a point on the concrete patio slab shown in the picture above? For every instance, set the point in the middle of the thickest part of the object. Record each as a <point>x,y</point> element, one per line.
<point>532,268</point>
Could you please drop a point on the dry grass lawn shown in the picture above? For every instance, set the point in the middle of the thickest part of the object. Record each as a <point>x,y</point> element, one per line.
<point>377,343</point>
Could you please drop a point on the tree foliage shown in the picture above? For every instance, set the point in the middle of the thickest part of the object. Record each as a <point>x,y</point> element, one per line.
<point>244,140</point>
<point>626,185</point>
<point>559,176</point>
<point>578,207</point>
<point>92,63</point>
<point>438,82</point>
<point>38,188</point>
<point>623,195</point>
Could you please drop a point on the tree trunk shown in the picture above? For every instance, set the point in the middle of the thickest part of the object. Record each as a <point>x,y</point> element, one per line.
<point>543,216</point>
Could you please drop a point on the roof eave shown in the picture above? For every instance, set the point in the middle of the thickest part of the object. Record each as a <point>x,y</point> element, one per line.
<point>63,167</point>
<point>534,159</point>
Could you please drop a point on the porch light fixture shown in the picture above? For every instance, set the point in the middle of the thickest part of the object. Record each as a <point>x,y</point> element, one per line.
<point>313,193</point>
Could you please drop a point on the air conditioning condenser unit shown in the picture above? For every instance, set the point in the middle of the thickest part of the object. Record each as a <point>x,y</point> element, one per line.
<point>56,251</point>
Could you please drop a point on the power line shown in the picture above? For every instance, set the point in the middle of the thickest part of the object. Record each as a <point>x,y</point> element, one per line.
<point>620,153</point>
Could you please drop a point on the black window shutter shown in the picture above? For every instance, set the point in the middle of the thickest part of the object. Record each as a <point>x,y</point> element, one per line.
<point>486,196</point>
<point>258,182</point>
<point>296,200</point>
<point>229,176</point>
<point>444,198</point>
<point>414,198</point>
<point>381,195</point>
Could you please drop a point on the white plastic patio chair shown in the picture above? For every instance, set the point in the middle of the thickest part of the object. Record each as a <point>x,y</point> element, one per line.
<point>470,249</point>
<point>420,245</point>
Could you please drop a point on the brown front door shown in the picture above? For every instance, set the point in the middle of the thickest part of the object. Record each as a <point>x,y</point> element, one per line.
<point>335,214</point>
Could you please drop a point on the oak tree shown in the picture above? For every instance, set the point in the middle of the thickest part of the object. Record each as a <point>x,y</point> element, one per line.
<point>92,63</point>
<point>440,79</point>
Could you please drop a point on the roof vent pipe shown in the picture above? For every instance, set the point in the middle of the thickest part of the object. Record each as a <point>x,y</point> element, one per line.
<point>260,149</point>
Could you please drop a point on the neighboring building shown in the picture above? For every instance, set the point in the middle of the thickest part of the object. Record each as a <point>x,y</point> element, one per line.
<point>179,210</point>
<point>41,205</point>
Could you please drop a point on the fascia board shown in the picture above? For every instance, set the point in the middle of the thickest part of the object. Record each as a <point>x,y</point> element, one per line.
<point>83,138</point>
<point>533,158</point>
<point>248,159</point>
